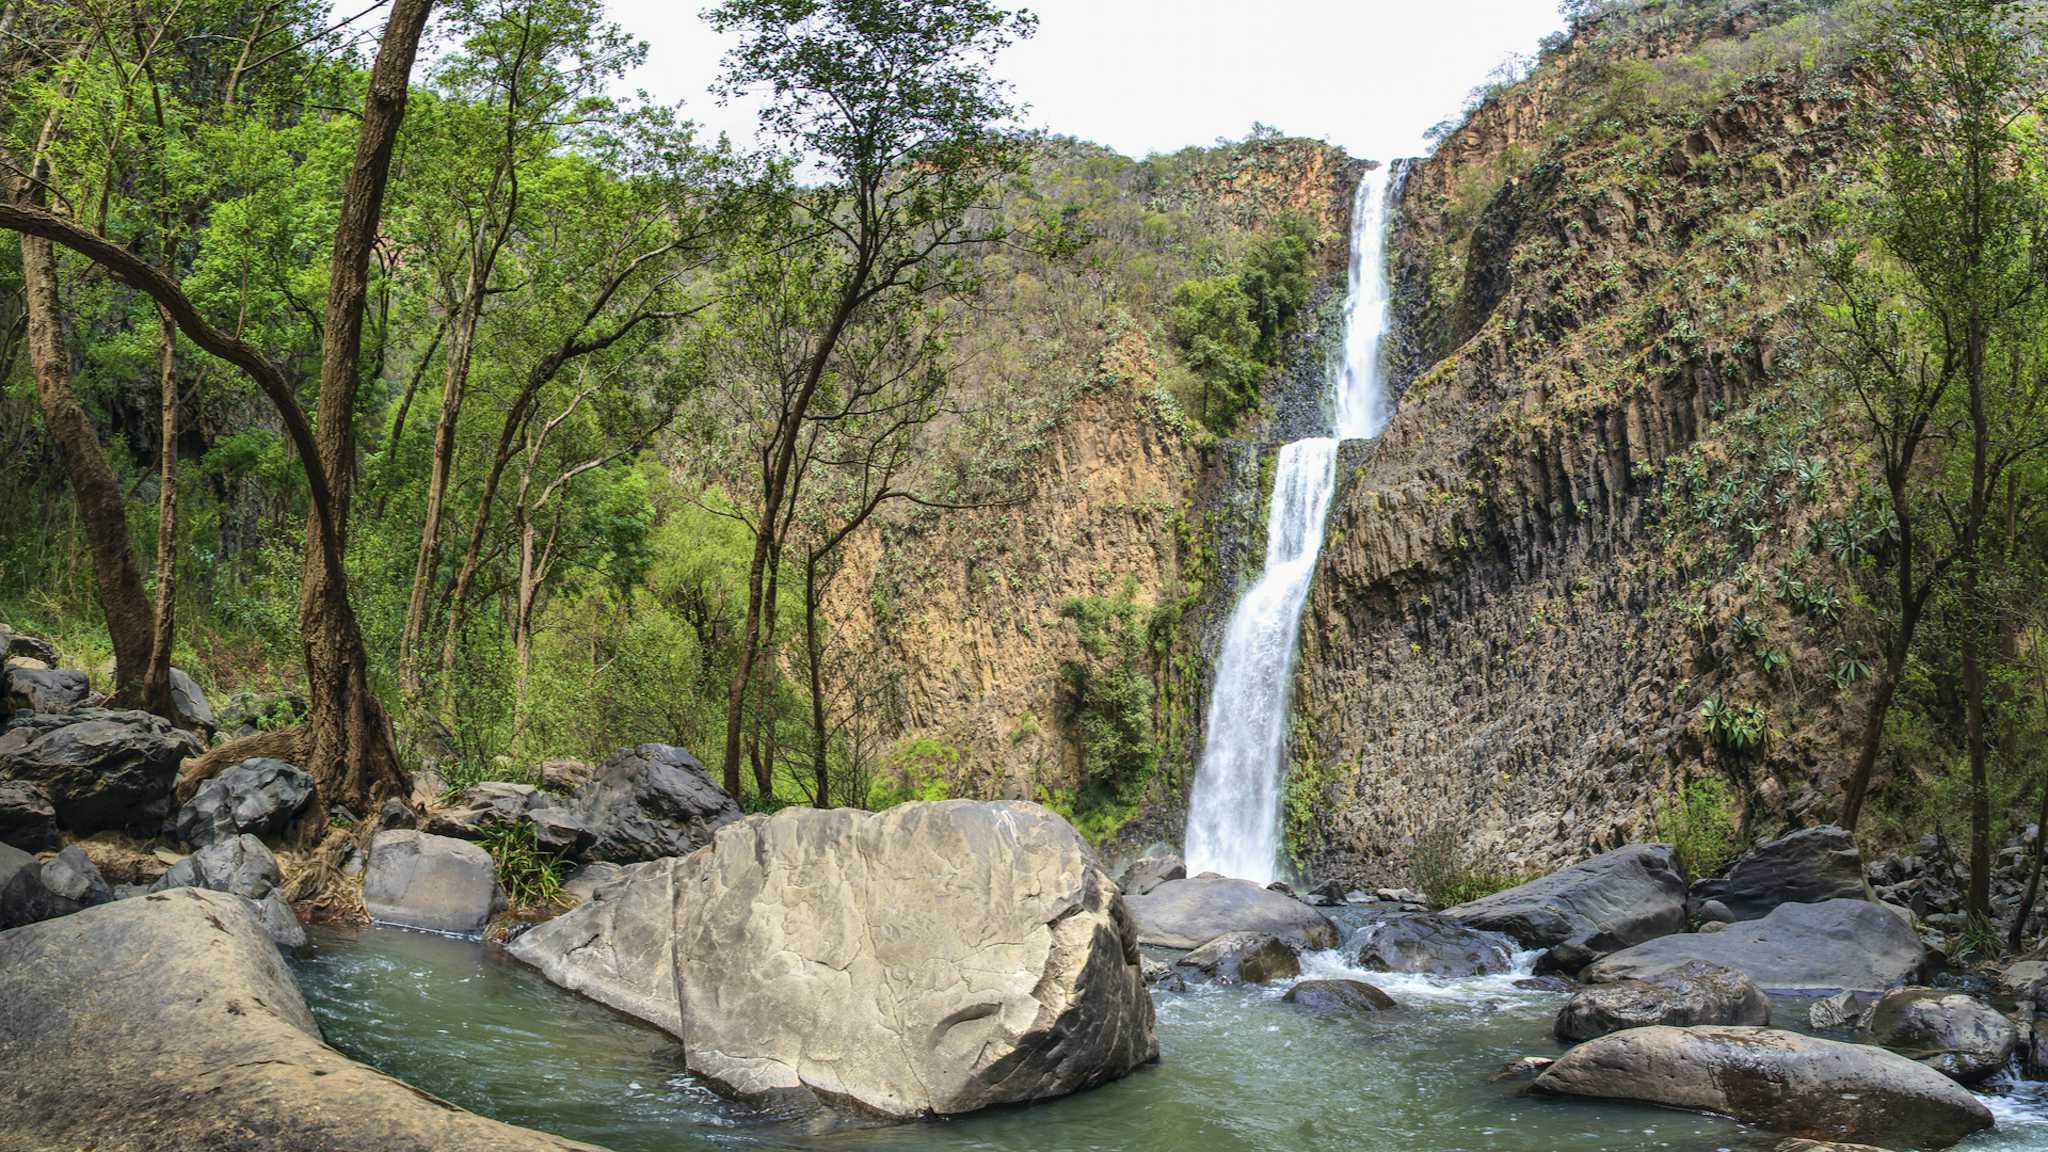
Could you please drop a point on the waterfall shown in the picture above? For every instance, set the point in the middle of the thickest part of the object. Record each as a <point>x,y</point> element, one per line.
<point>1234,814</point>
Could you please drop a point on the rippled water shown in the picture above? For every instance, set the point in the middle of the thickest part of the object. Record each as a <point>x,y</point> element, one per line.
<point>1240,1070</point>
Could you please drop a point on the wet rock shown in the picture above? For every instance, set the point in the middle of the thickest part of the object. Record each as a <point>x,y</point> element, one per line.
<point>435,883</point>
<point>27,819</point>
<point>822,951</point>
<point>1805,867</point>
<point>1823,1146</point>
<point>45,689</point>
<point>1190,913</point>
<point>189,702</point>
<point>1150,872</point>
<point>1525,1068</point>
<point>100,769</point>
<point>1244,958</point>
<point>1954,1034</point>
<point>1161,976</point>
<point>1338,997</point>
<point>1842,1011</point>
<point>1797,949</point>
<point>618,947</point>
<point>1694,993</point>
<point>1780,1081</point>
<point>1588,910</point>
<point>260,796</point>
<point>213,1048</point>
<point>240,866</point>
<point>1545,984</point>
<point>650,801</point>
<point>1433,946</point>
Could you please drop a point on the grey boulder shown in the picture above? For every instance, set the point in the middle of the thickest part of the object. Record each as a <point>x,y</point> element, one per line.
<point>16,644</point>
<point>240,866</point>
<point>23,900</point>
<point>1190,913</point>
<point>932,959</point>
<point>1428,945</point>
<point>259,796</point>
<point>188,701</point>
<point>1797,949</point>
<point>74,881</point>
<point>1805,867</point>
<point>650,801</point>
<point>481,809</point>
<point>1149,872</point>
<point>27,819</point>
<point>45,689</point>
<point>1956,1035</point>
<point>1693,993</point>
<point>1780,1081</point>
<point>1338,997</point>
<point>618,948</point>
<point>433,883</point>
<point>1588,910</point>
<point>100,769</point>
<point>168,1022</point>
<point>1244,958</point>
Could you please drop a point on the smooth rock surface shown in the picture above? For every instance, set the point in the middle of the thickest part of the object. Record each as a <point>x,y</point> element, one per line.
<point>189,701</point>
<point>618,948</point>
<point>1693,993</point>
<point>1244,958</point>
<point>73,879</point>
<point>1150,872</point>
<point>650,801</point>
<point>1588,910</point>
<point>28,821</point>
<point>935,958</point>
<point>1781,1081</point>
<point>1801,949</point>
<point>213,1050</point>
<point>1429,945</point>
<point>434,883</point>
<point>240,866</point>
<point>259,796</point>
<point>1190,913</point>
<point>1338,997</point>
<point>1804,867</point>
<point>1957,1035</point>
<point>100,769</point>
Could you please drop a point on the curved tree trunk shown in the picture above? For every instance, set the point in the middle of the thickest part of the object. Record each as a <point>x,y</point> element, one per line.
<point>156,682</point>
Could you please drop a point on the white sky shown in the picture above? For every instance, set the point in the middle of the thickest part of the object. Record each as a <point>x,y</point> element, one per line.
<point>1146,76</point>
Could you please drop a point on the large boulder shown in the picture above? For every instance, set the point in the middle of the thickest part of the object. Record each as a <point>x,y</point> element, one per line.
<point>1244,958</point>
<point>433,883</point>
<point>1806,867</point>
<point>1956,1035</point>
<point>932,959</point>
<point>1149,872</point>
<point>1190,913</point>
<point>188,701</point>
<point>240,866</point>
<point>212,1048</point>
<point>1338,997</point>
<point>1780,1081</point>
<point>27,818</point>
<point>100,769</point>
<point>618,948</point>
<point>1693,993</point>
<point>650,801</point>
<point>481,809</point>
<point>45,689</point>
<point>1428,945</point>
<point>1588,910</point>
<point>1798,949</point>
<point>259,796</point>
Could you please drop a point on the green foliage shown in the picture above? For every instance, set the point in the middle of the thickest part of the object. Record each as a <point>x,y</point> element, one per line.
<point>1699,824</point>
<point>532,877</point>
<point>1736,729</point>
<point>1447,872</point>
<point>916,769</point>
<point>1107,703</point>
<point>1230,327</point>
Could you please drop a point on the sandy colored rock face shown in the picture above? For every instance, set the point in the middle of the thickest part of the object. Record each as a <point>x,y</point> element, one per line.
<point>936,958</point>
<point>214,1050</point>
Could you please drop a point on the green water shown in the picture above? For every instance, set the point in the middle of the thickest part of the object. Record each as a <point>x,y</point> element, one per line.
<point>1239,1071</point>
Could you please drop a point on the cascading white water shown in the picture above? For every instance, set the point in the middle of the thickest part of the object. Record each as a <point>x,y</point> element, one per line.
<point>1234,814</point>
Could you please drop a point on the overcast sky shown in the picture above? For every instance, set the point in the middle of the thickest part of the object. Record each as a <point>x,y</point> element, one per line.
<point>1147,76</point>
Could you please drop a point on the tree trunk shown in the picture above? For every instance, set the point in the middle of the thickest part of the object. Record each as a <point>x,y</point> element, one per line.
<point>156,684</point>
<point>1912,601</point>
<point>821,740</point>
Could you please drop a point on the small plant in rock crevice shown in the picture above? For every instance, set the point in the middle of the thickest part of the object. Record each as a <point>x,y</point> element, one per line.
<point>531,875</point>
<point>1696,822</point>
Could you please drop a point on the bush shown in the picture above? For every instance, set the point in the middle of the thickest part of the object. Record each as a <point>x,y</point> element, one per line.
<point>1697,824</point>
<point>1106,704</point>
<point>919,769</point>
<point>532,877</point>
<point>1230,327</point>
<point>1446,872</point>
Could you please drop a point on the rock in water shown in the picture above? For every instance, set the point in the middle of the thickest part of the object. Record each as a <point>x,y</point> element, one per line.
<point>618,948</point>
<point>215,1049</point>
<point>1428,945</point>
<point>1588,910</point>
<point>435,883</point>
<point>1806,867</point>
<point>1338,997</point>
<point>1693,993</point>
<point>1781,1081</point>
<point>932,959</point>
<point>1190,913</point>
<point>100,769</point>
<point>650,801</point>
<point>1798,949</point>
<point>27,819</point>
<point>1244,958</point>
<point>1150,872</point>
<point>1954,1034</point>
<point>260,796</point>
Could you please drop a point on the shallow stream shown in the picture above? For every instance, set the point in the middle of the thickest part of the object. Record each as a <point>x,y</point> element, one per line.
<point>1239,1070</point>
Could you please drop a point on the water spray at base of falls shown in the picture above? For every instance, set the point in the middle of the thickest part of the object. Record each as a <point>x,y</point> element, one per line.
<point>1234,814</point>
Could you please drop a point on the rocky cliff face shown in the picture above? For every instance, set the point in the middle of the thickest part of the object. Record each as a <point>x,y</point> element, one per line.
<point>1536,580</point>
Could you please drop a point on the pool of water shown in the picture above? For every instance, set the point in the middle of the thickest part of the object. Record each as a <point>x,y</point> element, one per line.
<point>1240,1071</point>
